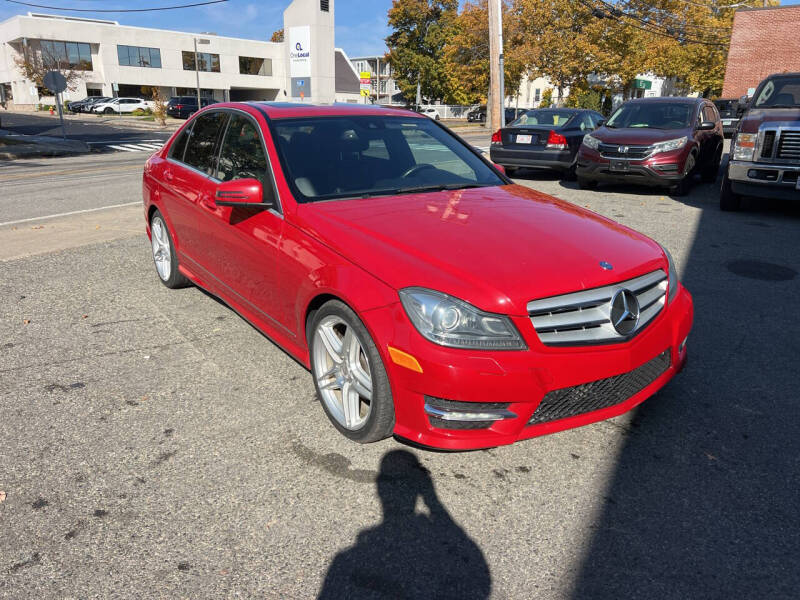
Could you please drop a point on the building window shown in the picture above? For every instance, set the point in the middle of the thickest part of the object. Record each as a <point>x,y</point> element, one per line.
<point>324,5</point>
<point>249,65</point>
<point>205,61</point>
<point>134,56</point>
<point>66,55</point>
<point>537,95</point>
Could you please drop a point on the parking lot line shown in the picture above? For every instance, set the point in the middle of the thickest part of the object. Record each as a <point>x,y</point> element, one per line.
<point>67,214</point>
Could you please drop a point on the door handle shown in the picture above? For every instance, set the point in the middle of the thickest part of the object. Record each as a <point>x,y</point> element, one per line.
<point>168,175</point>
<point>208,202</point>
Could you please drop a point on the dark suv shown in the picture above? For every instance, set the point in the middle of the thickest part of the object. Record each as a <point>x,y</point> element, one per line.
<point>729,111</point>
<point>765,151</point>
<point>182,107</point>
<point>654,141</point>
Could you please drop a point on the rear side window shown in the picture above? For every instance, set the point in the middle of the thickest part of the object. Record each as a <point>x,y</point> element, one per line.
<point>242,155</point>
<point>202,144</point>
<point>179,145</point>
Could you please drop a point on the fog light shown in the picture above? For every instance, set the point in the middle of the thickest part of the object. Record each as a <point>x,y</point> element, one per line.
<point>666,167</point>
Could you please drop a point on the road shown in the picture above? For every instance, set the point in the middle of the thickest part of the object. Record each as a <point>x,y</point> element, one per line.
<point>103,135</point>
<point>153,444</point>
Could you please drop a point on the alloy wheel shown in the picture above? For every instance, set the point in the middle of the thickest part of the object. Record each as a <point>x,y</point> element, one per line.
<point>342,372</point>
<point>161,251</point>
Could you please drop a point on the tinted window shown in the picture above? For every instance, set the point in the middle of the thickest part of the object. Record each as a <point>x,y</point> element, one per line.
<point>242,155</point>
<point>179,145</point>
<point>655,115</point>
<point>202,144</point>
<point>555,118</point>
<point>343,156</point>
<point>709,114</point>
<point>781,91</point>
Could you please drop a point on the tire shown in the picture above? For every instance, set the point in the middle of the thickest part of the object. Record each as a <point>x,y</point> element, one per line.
<point>683,187</point>
<point>161,244</point>
<point>586,184</point>
<point>373,420</point>
<point>728,200</point>
<point>108,111</point>
<point>570,174</point>
<point>510,170</point>
<point>711,170</point>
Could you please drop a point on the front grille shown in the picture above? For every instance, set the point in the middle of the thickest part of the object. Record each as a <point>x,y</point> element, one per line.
<point>789,146</point>
<point>588,397</point>
<point>585,317</point>
<point>767,146</point>
<point>631,152</point>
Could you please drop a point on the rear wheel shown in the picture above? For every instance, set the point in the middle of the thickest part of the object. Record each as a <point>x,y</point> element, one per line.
<point>728,200</point>
<point>711,170</point>
<point>570,174</point>
<point>510,170</point>
<point>349,375</point>
<point>164,257</point>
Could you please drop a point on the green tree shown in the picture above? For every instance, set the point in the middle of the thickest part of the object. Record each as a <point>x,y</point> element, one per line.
<point>422,28</point>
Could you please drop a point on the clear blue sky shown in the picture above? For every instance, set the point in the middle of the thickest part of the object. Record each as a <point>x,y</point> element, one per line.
<point>360,24</point>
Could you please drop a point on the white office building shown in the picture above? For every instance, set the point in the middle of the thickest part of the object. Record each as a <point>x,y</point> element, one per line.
<point>116,60</point>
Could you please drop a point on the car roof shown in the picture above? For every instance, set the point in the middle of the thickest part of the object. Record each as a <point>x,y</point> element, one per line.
<point>284,110</point>
<point>668,99</point>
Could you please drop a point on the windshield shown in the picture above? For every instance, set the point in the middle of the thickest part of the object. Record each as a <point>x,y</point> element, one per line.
<point>779,92</point>
<point>723,105</point>
<point>361,156</point>
<point>660,115</point>
<point>552,118</point>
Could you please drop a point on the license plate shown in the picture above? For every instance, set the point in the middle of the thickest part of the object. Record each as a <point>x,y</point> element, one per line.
<point>524,139</point>
<point>726,121</point>
<point>619,166</point>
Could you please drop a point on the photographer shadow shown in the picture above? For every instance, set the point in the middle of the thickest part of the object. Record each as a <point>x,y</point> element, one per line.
<point>410,554</point>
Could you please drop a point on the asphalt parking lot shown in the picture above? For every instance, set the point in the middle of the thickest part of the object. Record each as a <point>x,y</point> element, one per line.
<point>153,444</point>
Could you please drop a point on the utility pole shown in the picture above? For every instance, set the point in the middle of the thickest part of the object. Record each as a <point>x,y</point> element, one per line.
<point>494,111</point>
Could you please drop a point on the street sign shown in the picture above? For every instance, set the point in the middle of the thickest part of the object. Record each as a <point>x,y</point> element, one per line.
<point>55,82</point>
<point>365,92</point>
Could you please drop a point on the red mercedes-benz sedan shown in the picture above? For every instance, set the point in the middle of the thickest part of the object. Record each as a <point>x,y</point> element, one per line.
<point>429,295</point>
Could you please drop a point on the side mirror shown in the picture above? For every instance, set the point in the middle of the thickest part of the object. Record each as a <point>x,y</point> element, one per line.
<point>600,123</point>
<point>242,192</point>
<point>743,102</point>
<point>500,168</point>
<point>706,126</point>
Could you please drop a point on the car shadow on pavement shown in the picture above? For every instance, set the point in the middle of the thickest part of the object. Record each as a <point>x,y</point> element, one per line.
<point>410,554</point>
<point>704,499</point>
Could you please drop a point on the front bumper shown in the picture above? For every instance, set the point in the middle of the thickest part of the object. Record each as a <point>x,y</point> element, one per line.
<point>516,381</point>
<point>551,159</point>
<point>764,180</point>
<point>663,169</point>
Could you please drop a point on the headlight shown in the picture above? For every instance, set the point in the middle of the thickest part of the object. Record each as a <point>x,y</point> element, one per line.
<point>745,146</point>
<point>670,145</point>
<point>591,142</point>
<point>673,276</point>
<point>449,321</point>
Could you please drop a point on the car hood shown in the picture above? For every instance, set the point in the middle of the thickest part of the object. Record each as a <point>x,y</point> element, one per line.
<point>496,247</point>
<point>755,117</point>
<point>638,136</point>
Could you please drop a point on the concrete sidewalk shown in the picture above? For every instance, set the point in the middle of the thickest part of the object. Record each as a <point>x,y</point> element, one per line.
<point>13,146</point>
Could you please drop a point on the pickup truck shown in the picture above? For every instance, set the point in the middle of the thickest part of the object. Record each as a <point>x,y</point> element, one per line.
<point>765,150</point>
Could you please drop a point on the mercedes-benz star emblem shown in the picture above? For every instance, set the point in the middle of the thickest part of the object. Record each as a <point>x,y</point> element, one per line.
<point>624,312</point>
<point>606,265</point>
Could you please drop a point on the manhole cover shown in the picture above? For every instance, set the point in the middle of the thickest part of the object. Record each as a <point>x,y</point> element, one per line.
<point>757,269</point>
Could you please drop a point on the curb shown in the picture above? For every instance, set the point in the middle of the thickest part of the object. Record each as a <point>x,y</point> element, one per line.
<point>40,145</point>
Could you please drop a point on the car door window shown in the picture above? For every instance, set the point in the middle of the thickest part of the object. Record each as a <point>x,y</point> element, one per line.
<point>202,144</point>
<point>242,155</point>
<point>179,145</point>
<point>709,114</point>
<point>586,123</point>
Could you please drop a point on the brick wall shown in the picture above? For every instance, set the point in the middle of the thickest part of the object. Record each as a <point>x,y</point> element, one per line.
<point>763,41</point>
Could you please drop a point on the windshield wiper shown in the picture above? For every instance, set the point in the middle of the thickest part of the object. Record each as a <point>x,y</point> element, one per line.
<point>440,187</point>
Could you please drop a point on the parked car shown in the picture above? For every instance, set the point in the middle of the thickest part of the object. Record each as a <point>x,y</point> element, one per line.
<point>546,137</point>
<point>80,105</point>
<point>121,105</point>
<point>182,107</point>
<point>765,150</point>
<point>477,115</point>
<point>654,141</point>
<point>729,111</point>
<point>429,112</point>
<point>429,296</point>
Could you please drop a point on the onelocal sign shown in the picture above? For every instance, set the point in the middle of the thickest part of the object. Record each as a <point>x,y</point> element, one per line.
<point>300,51</point>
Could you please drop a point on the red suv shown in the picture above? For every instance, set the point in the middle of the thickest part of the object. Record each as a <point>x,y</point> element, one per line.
<point>654,141</point>
<point>429,296</point>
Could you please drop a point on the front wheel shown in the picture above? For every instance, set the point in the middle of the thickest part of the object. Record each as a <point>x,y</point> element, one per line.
<point>685,184</point>
<point>728,200</point>
<point>586,184</point>
<point>108,111</point>
<point>349,375</point>
<point>712,169</point>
